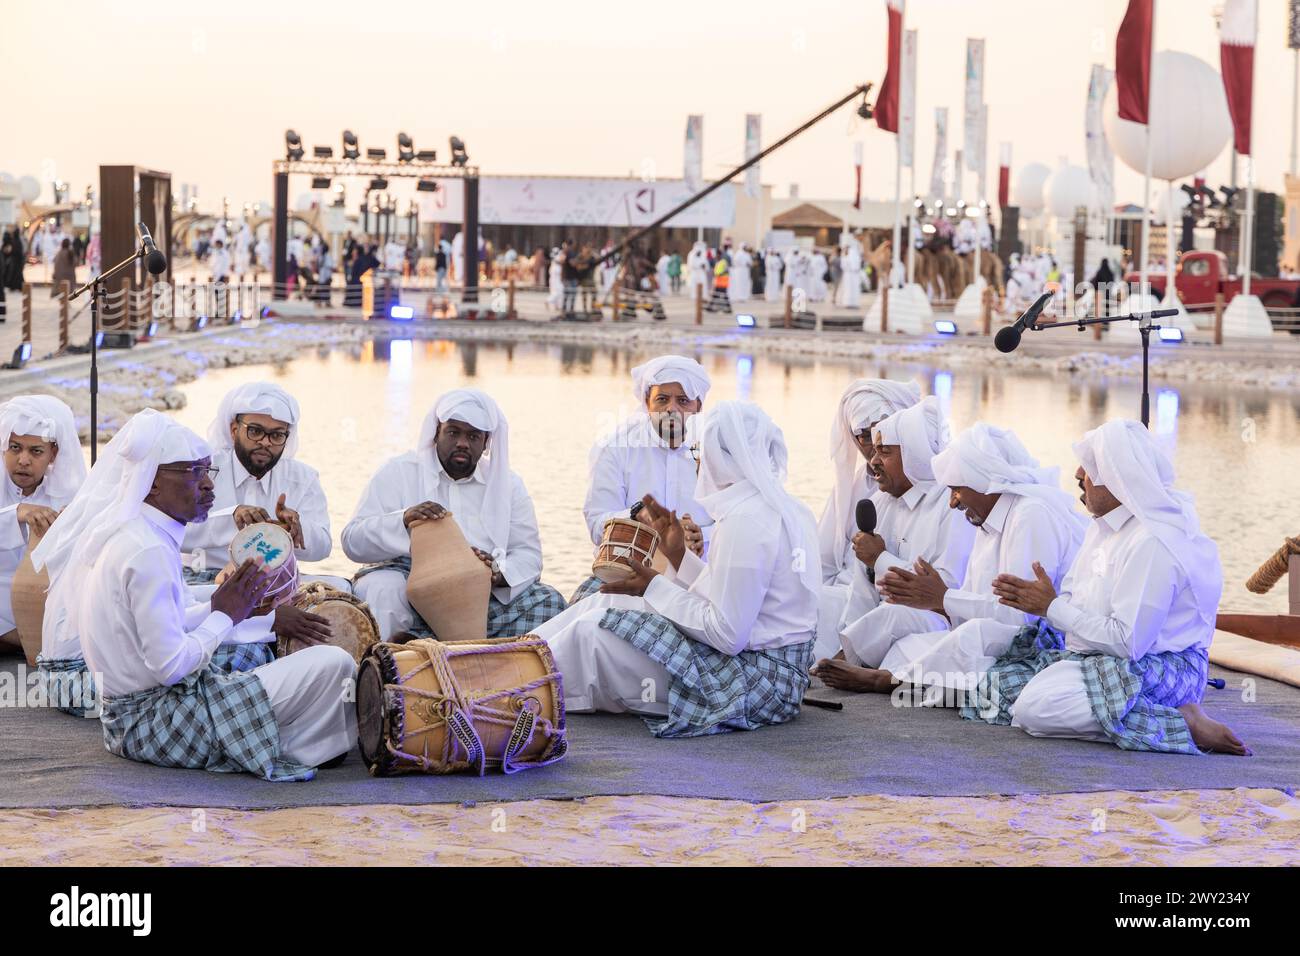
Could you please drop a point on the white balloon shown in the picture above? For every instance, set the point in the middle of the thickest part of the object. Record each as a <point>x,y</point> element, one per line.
<point>1067,189</point>
<point>29,188</point>
<point>1027,191</point>
<point>1189,119</point>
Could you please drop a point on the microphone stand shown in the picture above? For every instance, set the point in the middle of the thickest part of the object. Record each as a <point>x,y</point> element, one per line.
<point>97,291</point>
<point>1145,328</point>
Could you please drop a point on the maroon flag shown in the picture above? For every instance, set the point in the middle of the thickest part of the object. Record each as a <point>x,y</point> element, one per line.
<point>1133,61</point>
<point>887,102</point>
<point>1237,61</point>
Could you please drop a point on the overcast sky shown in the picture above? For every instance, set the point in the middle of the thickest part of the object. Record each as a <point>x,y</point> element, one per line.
<point>206,90</point>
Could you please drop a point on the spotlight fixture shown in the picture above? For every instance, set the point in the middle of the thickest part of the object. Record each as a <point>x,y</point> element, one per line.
<point>199,324</point>
<point>320,182</point>
<point>117,340</point>
<point>427,156</point>
<point>405,148</point>
<point>379,184</point>
<point>458,155</point>
<point>945,327</point>
<point>21,355</point>
<point>745,320</point>
<point>293,150</point>
<point>377,153</point>
<point>401,312</point>
<point>1170,334</point>
<point>427,186</point>
<point>323,152</point>
<point>350,148</point>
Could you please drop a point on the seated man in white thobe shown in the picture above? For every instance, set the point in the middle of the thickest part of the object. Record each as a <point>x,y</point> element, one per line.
<point>707,648</point>
<point>648,454</point>
<point>913,523</point>
<point>162,701</point>
<point>1122,653</point>
<point>1022,517</point>
<point>461,465</point>
<point>254,440</point>
<point>864,403</point>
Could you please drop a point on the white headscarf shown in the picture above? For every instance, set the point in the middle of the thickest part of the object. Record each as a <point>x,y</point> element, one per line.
<point>46,417</point>
<point>478,410</point>
<point>255,398</point>
<point>686,372</point>
<point>865,402</point>
<point>1124,457</point>
<point>922,432</point>
<point>992,461</point>
<point>114,492</point>
<point>741,449</point>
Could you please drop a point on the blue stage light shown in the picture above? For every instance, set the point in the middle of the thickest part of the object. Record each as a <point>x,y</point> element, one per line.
<point>1170,334</point>
<point>403,312</point>
<point>945,327</point>
<point>745,320</point>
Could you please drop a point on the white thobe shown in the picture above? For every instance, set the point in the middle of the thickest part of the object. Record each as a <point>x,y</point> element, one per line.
<point>631,463</point>
<point>298,482</point>
<point>919,524</point>
<point>661,275</point>
<point>1017,532</point>
<point>219,263</point>
<point>137,634</point>
<point>773,265</point>
<point>1125,596</point>
<point>838,573</point>
<point>747,597</point>
<point>849,294</point>
<point>377,532</point>
<point>742,282</point>
<point>13,538</point>
<point>817,288</point>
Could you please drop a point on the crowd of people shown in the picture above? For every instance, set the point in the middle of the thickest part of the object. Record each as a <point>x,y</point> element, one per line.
<point>972,581</point>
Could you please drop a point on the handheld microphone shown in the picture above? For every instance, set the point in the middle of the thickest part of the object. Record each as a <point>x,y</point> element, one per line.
<point>155,261</point>
<point>1008,339</point>
<point>866,516</point>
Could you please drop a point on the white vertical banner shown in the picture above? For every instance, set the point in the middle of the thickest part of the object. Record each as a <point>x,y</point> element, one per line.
<point>974,100</point>
<point>753,146</point>
<point>982,163</point>
<point>957,170</point>
<point>938,172</point>
<point>1101,162</point>
<point>907,102</point>
<point>693,161</point>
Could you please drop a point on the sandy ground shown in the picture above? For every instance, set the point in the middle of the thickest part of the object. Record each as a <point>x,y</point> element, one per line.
<point>1161,828</point>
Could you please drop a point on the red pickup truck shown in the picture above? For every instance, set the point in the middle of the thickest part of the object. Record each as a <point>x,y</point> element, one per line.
<point>1203,275</point>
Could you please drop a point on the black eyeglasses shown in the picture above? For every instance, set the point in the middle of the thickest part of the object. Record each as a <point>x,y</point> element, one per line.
<point>197,473</point>
<point>257,433</point>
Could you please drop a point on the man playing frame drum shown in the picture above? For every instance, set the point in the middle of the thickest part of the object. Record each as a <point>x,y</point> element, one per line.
<point>649,454</point>
<point>707,648</point>
<point>461,465</point>
<point>118,544</point>
<point>254,438</point>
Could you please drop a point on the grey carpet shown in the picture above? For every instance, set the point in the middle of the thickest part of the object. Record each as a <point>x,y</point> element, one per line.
<point>48,759</point>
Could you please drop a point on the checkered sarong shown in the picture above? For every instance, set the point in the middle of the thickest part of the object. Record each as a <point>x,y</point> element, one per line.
<point>69,686</point>
<point>1135,702</point>
<point>586,589</point>
<point>529,611</point>
<point>712,692</point>
<point>232,658</point>
<point>208,721</point>
<point>206,576</point>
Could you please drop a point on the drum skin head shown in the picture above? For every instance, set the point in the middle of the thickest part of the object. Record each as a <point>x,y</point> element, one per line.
<point>371,716</point>
<point>270,541</point>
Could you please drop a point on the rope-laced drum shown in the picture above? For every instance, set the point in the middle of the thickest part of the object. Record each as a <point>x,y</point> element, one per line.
<point>352,626</point>
<point>624,541</point>
<point>441,707</point>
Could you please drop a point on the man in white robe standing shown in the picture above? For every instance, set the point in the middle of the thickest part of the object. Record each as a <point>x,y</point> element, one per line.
<point>163,702</point>
<point>461,465</point>
<point>648,454</point>
<point>773,266</point>
<point>742,280</point>
<point>707,648</point>
<point>864,403</point>
<point>1121,654</point>
<point>254,441</point>
<point>43,470</point>
<point>849,294</point>
<point>1022,517</point>
<point>913,522</point>
<point>697,270</point>
<point>817,266</point>
<point>662,281</point>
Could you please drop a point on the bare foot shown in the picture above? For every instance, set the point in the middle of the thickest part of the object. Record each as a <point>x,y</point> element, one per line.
<point>841,675</point>
<point>1210,734</point>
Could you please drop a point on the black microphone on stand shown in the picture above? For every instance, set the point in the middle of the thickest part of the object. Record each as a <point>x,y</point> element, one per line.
<point>155,261</point>
<point>1008,339</point>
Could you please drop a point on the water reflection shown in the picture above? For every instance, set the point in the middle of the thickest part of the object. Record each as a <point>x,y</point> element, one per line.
<point>1236,450</point>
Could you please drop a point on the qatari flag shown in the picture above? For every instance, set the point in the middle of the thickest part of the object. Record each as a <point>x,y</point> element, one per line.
<point>1237,61</point>
<point>887,102</point>
<point>1133,61</point>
